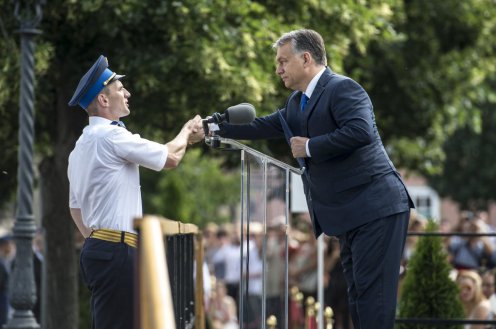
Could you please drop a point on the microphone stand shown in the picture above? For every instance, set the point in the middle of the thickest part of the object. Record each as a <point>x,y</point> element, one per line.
<point>212,140</point>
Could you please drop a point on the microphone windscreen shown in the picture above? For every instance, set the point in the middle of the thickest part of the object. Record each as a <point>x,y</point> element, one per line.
<point>240,114</point>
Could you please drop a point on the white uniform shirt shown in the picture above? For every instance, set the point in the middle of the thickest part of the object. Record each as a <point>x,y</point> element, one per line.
<point>104,177</point>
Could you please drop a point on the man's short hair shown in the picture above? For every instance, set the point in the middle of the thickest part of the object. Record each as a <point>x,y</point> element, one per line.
<point>305,40</point>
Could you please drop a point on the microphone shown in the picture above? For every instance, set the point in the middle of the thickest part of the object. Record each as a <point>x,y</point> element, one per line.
<point>237,115</point>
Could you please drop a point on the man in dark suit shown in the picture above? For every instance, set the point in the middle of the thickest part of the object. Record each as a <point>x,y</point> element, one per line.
<point>353,190</point>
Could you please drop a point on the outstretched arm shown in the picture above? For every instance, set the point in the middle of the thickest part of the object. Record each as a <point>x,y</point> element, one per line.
<point>177,146</point>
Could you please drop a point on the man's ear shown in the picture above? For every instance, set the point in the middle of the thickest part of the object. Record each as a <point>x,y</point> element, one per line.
<point>102,99</point>
<point>306,58</point>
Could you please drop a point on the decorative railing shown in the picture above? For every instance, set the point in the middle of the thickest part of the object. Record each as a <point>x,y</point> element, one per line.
<point>170,286</point>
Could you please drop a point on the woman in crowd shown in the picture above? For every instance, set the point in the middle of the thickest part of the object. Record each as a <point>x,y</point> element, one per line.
<point>475,304</point>
<point>222,308</point>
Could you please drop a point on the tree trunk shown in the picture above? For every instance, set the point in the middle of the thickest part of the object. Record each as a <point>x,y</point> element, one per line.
<point>61,298</point>
<point>60,301</point>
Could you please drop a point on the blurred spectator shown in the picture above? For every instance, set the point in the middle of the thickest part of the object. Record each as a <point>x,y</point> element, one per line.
<point>446,226</point>
<point>38,252</point>
<point>210,242</point>
<point>226,260</point>
<point>7,251</point>
<point>471,252</point>
<point>222,308</point>
<point>207,283</point>
<point>4,300</point>
<point>275,268</point>
<point>7,258</point>
<point>303,265</point>
<point>220,256</point>
<point>336,290</point>
<point>417,223</point>
<point>488,288</point>
<point>254,275</point>
<point>484,221</point>
<point>475,304</point>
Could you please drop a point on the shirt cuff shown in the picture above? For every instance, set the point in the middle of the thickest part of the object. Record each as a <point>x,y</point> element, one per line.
<point>307,149</point>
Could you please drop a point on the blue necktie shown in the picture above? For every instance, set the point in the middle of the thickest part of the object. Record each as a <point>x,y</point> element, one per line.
<point>118,123</point>
<point>303,102</point>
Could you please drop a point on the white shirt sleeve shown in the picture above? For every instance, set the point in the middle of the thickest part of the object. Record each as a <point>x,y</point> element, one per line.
<point>140,151</point>
<point>73,202</point>
<point>307,149</point>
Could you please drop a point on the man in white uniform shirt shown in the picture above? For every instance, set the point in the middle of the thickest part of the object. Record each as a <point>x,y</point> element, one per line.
<point>105,192</point>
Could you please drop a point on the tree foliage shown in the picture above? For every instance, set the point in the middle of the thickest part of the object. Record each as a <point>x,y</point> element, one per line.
<point>469,161</point>
<point>425,79</point>
<point>428,291</point>
<point>196,191</point>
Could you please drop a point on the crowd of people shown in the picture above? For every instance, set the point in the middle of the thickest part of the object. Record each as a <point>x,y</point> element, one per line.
<point>472,259</point>
<point>223,259</point>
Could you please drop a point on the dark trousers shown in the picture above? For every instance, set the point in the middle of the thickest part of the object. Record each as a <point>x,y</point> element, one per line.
<point>108,272</point>
<point>370,255</point>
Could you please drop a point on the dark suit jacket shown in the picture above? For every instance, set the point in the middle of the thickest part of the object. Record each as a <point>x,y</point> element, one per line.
<point>350,180</point>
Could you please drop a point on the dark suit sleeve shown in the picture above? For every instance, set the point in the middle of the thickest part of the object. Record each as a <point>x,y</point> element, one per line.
<point>261,128</point>
<point>351,109</point>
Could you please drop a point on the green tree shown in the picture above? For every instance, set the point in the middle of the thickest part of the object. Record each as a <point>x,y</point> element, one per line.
<point>196,191</point>
<point>425,79</point>
<point>470,160</point>
<point>428,291</point>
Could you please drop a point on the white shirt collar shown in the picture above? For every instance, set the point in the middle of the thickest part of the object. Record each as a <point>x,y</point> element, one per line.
<point>95,120</point>
<point>313,83</point>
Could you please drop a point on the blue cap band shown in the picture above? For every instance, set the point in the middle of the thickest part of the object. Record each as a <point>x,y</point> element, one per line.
<point>95,89</point>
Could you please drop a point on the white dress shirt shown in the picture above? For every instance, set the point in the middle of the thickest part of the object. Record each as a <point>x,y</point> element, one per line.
<point>309,91</point>
<point>104,176</point>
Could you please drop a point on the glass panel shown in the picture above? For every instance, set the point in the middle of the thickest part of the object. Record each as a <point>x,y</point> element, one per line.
<point>276,247</point>
<point>264,241</point>
<point>252,242</point>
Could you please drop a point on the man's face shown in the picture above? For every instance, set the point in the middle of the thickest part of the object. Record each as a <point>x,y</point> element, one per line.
<point>488,284</point>
<point>118,99</point>
<point>290,68</point>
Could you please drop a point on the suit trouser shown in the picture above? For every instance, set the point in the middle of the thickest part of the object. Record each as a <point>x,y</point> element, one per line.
<point>371,255</point>
<point>108,272</point>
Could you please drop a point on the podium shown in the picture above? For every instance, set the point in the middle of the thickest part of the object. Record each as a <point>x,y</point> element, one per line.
<point>263,233</point>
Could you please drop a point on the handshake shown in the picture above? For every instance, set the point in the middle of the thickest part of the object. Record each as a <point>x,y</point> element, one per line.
<point>195,131</point>
<point>243,113</point>
<point>194,128</point>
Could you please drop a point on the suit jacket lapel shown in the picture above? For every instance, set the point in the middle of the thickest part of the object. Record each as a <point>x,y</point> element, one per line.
<point>312,102</point>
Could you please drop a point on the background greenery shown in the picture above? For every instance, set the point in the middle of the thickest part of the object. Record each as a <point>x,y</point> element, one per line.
<point>429,67</point>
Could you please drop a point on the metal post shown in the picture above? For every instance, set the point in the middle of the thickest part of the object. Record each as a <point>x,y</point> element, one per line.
<point>241,295</point>
<point>22,289</point>
<point>264,246</point>
<point>320,283</point>
<point>286,256</point>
